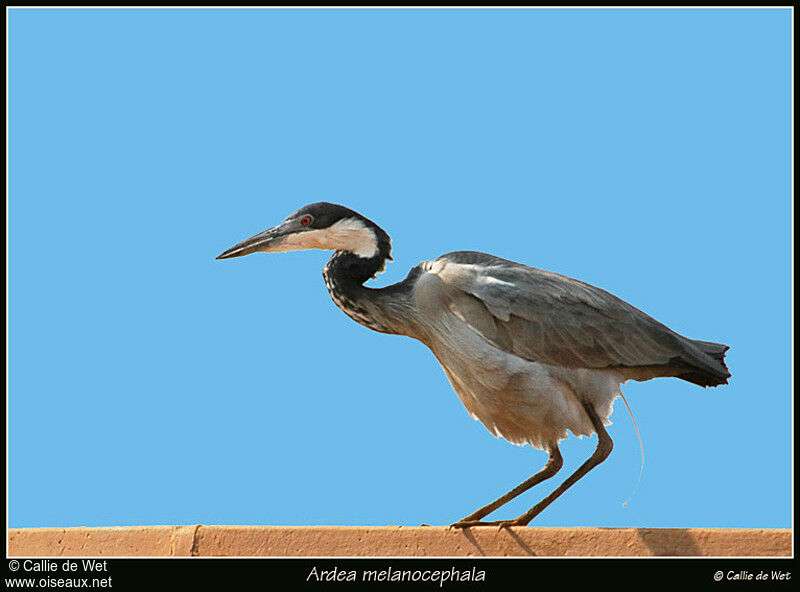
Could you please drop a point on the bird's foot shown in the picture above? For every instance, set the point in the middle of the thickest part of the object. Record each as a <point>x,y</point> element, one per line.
<point>500,524</point>
<point>468,524</point>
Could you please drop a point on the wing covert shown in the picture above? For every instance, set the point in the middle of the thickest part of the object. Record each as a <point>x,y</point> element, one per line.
<point>547,317</point>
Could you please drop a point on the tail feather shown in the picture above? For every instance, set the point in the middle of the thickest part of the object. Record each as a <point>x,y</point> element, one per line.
<point>708,374</point>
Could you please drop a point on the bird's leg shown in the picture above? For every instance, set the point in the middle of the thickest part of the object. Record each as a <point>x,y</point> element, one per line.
<point>553,465</point>
<point>604,447</point>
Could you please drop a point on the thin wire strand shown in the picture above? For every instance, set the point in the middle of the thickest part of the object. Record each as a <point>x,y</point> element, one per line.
<point>641,447</point>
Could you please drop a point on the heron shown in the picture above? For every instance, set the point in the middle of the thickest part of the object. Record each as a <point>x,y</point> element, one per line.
<point>531,354</point>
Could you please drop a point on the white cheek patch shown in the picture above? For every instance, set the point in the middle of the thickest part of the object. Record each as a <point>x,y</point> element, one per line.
<point>348,235</point>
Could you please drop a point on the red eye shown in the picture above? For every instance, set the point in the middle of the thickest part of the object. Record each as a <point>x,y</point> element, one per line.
<point>305,220</point>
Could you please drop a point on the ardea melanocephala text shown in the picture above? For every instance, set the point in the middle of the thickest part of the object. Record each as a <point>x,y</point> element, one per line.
<point>530,353</point>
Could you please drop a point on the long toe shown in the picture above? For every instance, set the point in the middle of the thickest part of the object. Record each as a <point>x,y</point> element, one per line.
<point>501,524</point>
<point>471,523</point>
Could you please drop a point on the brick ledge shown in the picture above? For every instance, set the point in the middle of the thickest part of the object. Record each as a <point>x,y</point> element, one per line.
<point>394,541</point>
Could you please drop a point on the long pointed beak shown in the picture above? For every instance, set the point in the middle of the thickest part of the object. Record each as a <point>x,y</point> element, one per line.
<point>260,242</point>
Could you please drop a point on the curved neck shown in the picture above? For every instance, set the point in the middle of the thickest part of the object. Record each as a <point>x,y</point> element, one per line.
<point>347,269</point>
<point>385,310</point>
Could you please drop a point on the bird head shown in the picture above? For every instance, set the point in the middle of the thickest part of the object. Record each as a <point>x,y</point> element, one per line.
<point>319,225</point>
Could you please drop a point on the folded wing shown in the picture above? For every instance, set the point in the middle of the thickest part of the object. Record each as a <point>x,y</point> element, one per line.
<point>547,317</point>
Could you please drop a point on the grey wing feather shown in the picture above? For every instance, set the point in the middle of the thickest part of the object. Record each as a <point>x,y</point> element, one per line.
<point>547,317</point>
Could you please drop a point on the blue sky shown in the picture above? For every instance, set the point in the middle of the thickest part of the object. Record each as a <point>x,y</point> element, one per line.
<point>643,151</point>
